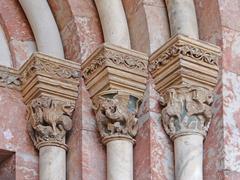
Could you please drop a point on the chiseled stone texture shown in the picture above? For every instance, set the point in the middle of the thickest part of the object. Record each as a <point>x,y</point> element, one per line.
<point>14,136</point>
<point>153,152</point>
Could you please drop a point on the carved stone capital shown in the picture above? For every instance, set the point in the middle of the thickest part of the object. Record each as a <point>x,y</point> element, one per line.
<point>114,67</point>
<point>49,121</point>
<point>49,89</point>
<point>116,115</point>
<point>183,60</point>
<point>186,110</point>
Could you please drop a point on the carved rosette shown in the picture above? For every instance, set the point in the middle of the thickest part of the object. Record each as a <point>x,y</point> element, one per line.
<point>49,121</point>
<point>186,110</point>
<point>116,115</point>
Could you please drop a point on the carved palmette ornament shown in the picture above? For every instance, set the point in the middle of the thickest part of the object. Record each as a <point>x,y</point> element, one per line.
<point>116,115</point>
<point>49,121</point>
<point>187,110</point>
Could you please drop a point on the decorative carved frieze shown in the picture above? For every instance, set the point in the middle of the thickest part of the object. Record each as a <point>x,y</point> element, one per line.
<point>45,75</point>
<point>183,60</point>
<point>10,78</point>
<point>187,110</point>
<point>113,67</point>
<point>116,115</point>
<point>49,121</point>
<point>43,64</point>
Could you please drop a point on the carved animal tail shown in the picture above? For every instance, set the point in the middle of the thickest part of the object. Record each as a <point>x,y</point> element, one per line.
<point>66,122</point>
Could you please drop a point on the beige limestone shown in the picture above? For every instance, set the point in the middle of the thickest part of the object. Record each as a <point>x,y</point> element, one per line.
<point>52,163</point>
<point>45,75</point>
<point>44,27</point>
<point>183,60</point>
<point>112,67</point>
<point>114,22</point>
<point>182,17</point>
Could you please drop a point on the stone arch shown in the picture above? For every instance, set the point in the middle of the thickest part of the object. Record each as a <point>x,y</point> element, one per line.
<point>18,32</point>
<point>79,26</point>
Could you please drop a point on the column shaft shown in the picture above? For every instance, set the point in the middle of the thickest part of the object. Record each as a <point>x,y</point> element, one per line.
<point>120,160</point>
<point>188,152</point>
<point>182,17</point>
<point>114,22</point>
<point>52,163</point>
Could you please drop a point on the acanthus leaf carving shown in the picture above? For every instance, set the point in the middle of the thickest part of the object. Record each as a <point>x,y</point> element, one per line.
<point>187,110</point>
<point>49,120</point>
<point>114,118</point>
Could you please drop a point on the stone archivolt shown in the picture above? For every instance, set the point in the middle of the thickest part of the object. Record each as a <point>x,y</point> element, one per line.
<point>115,116</point>
<point>187,110</point>
<point>49,121</point>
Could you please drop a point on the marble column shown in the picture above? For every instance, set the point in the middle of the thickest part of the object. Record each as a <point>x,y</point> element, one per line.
<point>118,125</point>
<point>114,22</point>
<point>186,118</point>
<point>182,18</point>
<point>49,121</point>
<point>44,27</point>
<point>52,163</point>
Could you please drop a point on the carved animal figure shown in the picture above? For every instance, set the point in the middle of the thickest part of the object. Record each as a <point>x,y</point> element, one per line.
<point>113,118</point>
<point>50,118</point>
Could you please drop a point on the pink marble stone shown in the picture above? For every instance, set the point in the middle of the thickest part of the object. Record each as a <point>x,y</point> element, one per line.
<point>80,38</point>
<point>153,153</point>
<point>231,55</point>
<point>21,51</point>
<point>79,26</point>
<point>14,21</point>
<point>14,136</point>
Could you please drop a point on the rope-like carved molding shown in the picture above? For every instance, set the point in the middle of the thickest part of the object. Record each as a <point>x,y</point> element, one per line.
<point>110,57</point>
<point>10,78</point>
<point>187,49</point>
